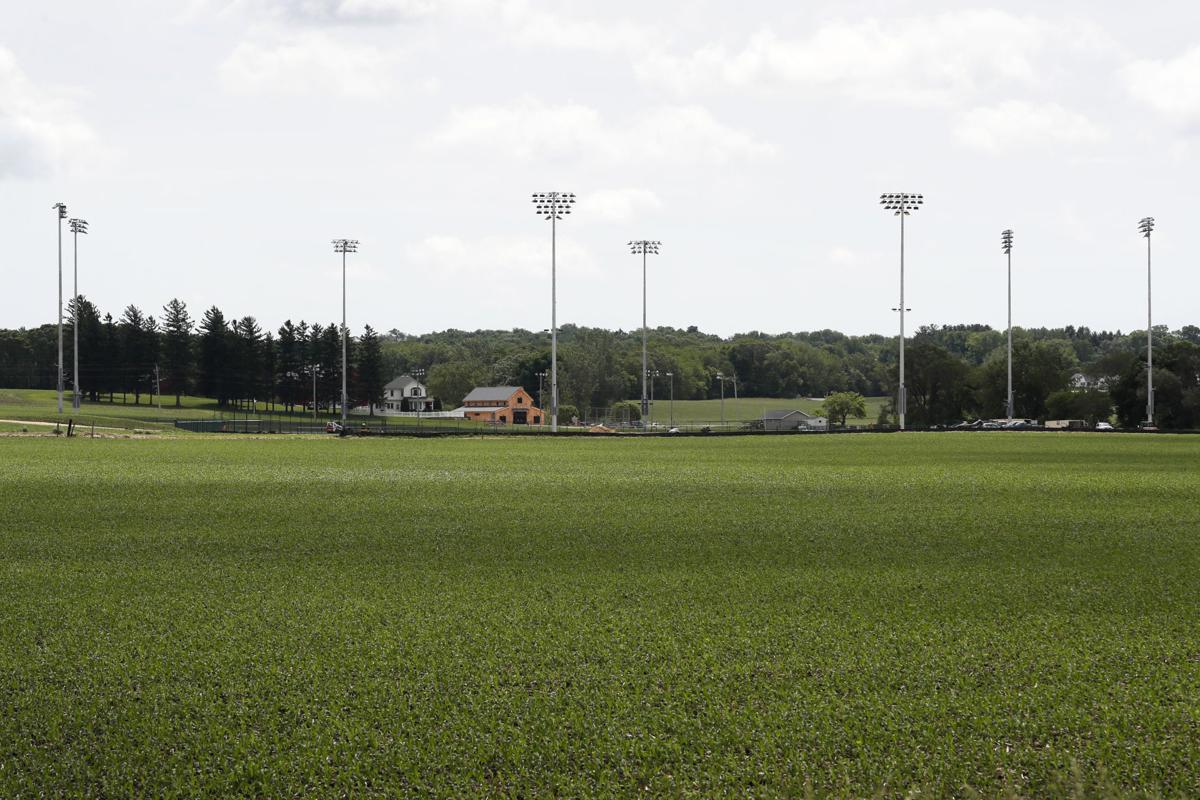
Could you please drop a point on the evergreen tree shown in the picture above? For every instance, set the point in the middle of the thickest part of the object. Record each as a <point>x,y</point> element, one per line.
<point>177,348</point>
<point>214,347</point>
<point>369,376</point>
<point>132,364</point>
<point>289,367</point>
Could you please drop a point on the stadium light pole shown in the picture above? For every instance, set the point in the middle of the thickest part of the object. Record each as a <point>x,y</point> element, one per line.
<point>721,380</point>
<point>553,206</point>
<point>644,247</point>
<point>901,204</point>
<point>344,246</point>
<point>61,208</point>
<point>671,406</point>
<point>652,374</point>
<point>541,376</point>
<point>1006,242</point>
<point>77,226</point>
<point>1146,226</point>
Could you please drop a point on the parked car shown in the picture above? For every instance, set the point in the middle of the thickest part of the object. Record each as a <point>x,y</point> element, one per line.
<point>333,427</point>
<point>1104,426</point>
<point>991,426</point>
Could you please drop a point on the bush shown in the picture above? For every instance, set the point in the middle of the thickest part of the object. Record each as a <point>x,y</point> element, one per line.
<point>627,410</point>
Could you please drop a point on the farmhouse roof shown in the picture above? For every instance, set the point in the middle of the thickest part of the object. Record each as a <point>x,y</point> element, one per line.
<point>402,382</point>
<point>475,409</point>
<point>784,414</point>
<point>498,394</point>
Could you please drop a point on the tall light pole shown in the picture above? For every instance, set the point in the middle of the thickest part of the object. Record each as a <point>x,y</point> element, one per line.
<point>541,376</point>
<point>61,208</point>
<point>721,380</point>
<point>553,206</point>
<point>652,374</point>
<point>644,247</point>
<point>671,406</point>
<point>1146,226</point>
<point>1006,239</point>
<point>344,246</point>
<point>901,205</point>
<point>77,226</point>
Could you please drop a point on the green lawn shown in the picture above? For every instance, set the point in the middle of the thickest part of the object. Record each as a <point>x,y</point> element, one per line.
<point>748,408</point>
<point>41,404</point>
<point>891,615</point>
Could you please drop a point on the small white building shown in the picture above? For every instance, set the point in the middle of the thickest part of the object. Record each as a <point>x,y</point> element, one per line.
<point>404,394</point>
<point>783,420</point>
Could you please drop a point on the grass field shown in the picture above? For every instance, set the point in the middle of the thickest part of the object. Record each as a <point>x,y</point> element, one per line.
<point>748,408</point>
<point>41,404</point>
<point>846,615</point>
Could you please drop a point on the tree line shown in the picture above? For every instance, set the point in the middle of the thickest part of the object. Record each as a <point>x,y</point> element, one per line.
<point>233,361</point>
<point>953,372</point>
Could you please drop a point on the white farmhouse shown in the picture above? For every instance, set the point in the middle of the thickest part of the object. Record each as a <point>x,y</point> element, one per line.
<point>404,394</point>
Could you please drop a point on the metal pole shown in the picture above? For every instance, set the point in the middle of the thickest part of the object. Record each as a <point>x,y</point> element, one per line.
<point>737,407</point>
<point>721,378</point>
<point>313,368</point>
<point>651,406</point>
<point>1149,343</point>
<point>60,209</point>
<point>671,406</point>
<point>645,402</point>
<point>1010,363</point>
<point>158,389</point>
<point>75,326</point>
<point>903,398</point>
<point>343,338</point>
<point>553,322</point>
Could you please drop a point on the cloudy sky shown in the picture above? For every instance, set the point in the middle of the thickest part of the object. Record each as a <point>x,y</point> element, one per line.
<point>216,146</point>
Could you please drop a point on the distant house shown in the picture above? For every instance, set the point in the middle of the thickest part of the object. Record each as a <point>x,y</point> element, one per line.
<point>783,420</point>
<point>402,394</point>
<point>1081,381</point>
<point>502,405</point>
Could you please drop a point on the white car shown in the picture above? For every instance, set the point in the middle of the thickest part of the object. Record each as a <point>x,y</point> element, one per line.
<point>1104,426</point>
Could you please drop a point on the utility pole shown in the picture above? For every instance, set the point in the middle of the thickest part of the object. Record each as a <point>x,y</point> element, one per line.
<point>62,214</point>
<point>541,376</point>
<point>313,369</point>
<point>157,389</point>
<point>77,226</point>
<point>1006,241</point>
<point>344,246</point>
<point>553,206</point>
<point>1146,226</point>
<point>901,204</point>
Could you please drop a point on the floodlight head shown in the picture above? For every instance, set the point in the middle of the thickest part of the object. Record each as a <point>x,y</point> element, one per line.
<point>62,210</point>
<point>644,246</point>
<point>345,245</point>
<point>1146,225</point>
<point>901,203</point>
<point>553,205</point>
<point>78,225</point>
<point>1006,239</point>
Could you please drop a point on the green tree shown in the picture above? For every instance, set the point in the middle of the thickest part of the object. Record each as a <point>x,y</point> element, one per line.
<point>1093,405</point>
<point>369,375</point>
<point>840,405</point>
<point>177,348</point>
<point>214,351</point>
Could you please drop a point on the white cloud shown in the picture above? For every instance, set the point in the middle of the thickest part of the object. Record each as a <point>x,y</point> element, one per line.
<point>620,205</point>
<point>39,131</point>
<point>309,62</point>
<point>334,11</point>
<point>451,259</point>
<point>922,61</point>
<point>540,28</point>
<point>1016,125</point>
<point>530,129</point>
<point>1171,87</point>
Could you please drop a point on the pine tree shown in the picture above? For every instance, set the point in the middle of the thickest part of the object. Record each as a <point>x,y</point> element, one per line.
<point>214,346</point>
<point>369,376</point>
<point>288,366</point>
<point>177,348</point>
<point>132,362</point>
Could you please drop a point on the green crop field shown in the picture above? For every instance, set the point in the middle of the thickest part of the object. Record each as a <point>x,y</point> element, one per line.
<point>748,408</point>
<point>892,615</point>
